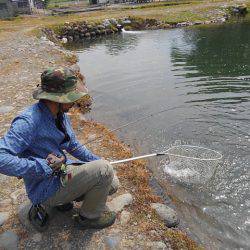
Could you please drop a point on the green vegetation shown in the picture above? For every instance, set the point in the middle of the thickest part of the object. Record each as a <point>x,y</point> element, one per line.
<point>67,3</point>
<point>169,12</point>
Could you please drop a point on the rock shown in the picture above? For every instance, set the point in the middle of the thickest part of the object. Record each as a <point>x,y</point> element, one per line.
<point>115,29</point>
<point>153,233</point>
<point>23,211</point>
<point>112,242</point>
<point>98,32</point>
<point>51,43</point>
<point>102,32</point>
<point>70,39</point>
<point>85,30</point>
<point>118,203</point>
<point>222,20</point>
<point>5,109</point>
<point>167,214</point>
<point>119,27</point>
<point>106,23</point>
<point>238,10</point>
<point>37,237</point>
<point>109,31</point>
<point>156,245</point>
<point>4,216</point>
<point>64,40</point>
<point>101,27</point>
<point>197,23</point>
<point>87,34</point>
<point>16,195</point>
<point>125,217</point>
<point>113,21</point>
<point>183,24</point>
<point>65,246</point>
<point>76,38</point>
<point>9,241</point>
<point>126,21</point>
<point>89,26</point>
<point>81,36</point>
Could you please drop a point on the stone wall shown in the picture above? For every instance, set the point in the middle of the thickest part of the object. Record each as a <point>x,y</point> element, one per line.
<point>78,31</point>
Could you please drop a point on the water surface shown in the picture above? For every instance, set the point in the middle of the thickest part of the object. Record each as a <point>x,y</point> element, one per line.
<point>201,76</point>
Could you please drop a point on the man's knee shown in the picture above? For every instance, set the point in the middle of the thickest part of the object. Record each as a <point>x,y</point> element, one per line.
<point>106,170</point>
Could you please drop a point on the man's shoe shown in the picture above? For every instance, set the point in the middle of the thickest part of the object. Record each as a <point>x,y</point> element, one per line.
<point>107,219</point>
<point>65,207</point>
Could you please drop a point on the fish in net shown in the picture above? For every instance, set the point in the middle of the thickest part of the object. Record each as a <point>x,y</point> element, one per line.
<point>191,164</point>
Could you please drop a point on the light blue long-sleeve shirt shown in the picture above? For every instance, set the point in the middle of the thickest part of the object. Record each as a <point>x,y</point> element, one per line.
<point>24,149</point>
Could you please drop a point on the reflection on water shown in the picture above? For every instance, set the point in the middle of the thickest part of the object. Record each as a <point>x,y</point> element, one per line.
<point>217,63</point>
<point>115,44</point>
<point>201,76</point>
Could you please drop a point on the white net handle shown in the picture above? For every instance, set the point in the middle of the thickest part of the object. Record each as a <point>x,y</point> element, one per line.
<point>171,154</point>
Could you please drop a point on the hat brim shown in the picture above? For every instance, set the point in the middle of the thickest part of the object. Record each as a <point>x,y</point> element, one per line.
<point>69,97</point>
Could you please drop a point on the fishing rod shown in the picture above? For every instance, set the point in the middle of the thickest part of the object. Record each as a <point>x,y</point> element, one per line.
<point>188,152</point>
<point>128,124</point>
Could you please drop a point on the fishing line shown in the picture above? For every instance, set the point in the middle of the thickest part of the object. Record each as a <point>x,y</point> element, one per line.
<point>133,122</point>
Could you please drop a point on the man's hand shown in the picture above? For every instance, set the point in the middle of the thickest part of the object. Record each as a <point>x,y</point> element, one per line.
<point>55,162</point>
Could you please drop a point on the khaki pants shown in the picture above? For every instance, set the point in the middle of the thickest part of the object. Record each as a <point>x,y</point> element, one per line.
<point>92,182</point>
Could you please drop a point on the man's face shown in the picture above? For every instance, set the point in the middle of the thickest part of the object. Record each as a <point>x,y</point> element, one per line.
<point>67,106</point>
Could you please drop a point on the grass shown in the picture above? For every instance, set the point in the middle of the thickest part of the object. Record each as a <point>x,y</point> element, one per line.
<point>66,4</point>
<point>179,11</point>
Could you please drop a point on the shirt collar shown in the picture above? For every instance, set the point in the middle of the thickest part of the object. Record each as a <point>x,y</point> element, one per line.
<point>46,110</point>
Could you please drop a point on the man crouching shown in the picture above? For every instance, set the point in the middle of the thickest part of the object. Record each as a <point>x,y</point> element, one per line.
<point>33,149</point>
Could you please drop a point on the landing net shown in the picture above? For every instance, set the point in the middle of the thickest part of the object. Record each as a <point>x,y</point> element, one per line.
<point>191,164</point>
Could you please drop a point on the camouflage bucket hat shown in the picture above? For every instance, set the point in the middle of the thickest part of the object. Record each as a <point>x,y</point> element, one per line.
<point>59,85</point>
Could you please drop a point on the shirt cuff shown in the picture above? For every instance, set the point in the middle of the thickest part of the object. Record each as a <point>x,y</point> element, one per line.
<point>46,169</point>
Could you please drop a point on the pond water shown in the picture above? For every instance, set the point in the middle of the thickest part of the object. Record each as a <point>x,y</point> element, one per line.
<point>199,77</point>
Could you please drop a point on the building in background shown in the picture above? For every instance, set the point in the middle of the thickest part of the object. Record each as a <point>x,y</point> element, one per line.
<point>11,8</point>
<point>6,9</point>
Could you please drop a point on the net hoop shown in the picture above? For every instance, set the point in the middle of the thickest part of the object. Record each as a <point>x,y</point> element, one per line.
<point>218,155</point>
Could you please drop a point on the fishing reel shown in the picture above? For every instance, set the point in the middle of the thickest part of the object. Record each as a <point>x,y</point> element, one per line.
<point>57,164</point>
